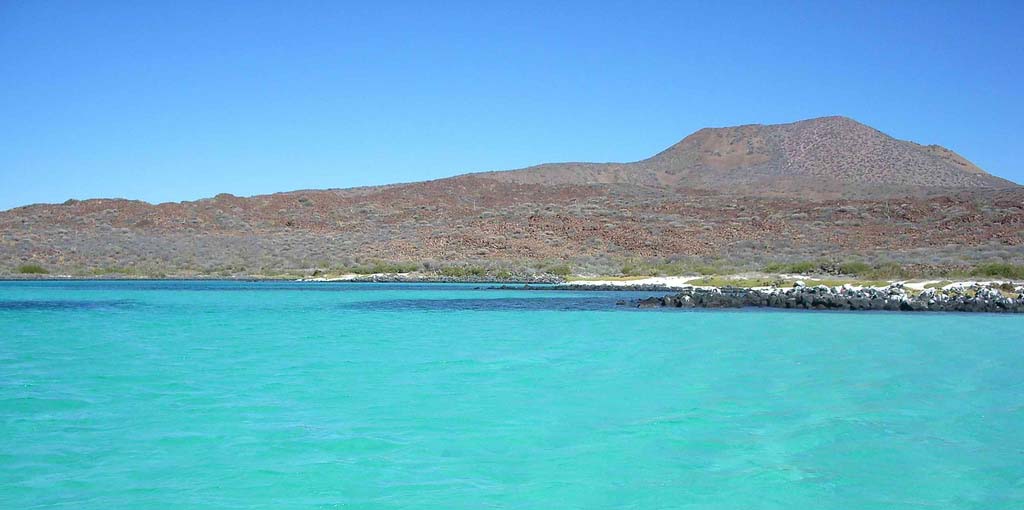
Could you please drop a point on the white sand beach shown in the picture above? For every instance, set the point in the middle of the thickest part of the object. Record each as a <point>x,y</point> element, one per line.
<point>664,281</point>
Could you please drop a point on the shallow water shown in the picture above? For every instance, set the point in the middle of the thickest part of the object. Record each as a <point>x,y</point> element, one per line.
<point>291,395</point>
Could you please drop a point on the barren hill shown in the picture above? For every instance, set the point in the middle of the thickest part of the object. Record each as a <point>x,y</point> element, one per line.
<point>822,188</point>
<point>834,155</point>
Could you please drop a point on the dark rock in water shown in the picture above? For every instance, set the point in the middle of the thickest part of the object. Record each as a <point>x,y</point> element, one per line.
<point>651,302</point>
<point>964,298</point>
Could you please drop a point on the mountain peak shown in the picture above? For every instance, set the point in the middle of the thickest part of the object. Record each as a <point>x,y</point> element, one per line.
<point>831,119</point>
<point>836,154</point>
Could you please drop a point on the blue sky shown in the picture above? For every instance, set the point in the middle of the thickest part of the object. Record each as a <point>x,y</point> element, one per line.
<point>173,101</point>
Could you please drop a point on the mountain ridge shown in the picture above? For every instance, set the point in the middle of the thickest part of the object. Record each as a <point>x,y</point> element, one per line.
<point>703,150</point>
<point>836,151</point>
<point>744,194</point>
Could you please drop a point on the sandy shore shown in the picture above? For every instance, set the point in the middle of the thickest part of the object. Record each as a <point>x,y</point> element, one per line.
<point>667,282</point>
<point>681,282</point>
<point>342,278</point>
<point>661,281</point>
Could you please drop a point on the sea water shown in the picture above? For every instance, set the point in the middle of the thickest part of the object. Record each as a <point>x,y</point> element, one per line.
<point>192,395</point>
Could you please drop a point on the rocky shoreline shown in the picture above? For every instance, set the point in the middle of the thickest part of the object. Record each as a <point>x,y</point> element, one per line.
<point>953,298</point>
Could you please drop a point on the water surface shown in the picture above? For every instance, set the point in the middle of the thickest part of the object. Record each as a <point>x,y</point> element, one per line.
<point>291,395</point>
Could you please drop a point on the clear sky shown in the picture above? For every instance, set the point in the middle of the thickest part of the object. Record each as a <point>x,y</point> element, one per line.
<point>168,101</point>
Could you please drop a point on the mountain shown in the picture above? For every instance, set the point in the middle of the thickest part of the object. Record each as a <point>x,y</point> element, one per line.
<point>828,154</point>
<point>821,188</point>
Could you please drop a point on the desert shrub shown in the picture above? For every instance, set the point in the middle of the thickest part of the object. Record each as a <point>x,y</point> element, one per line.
<point>383,267</point>
<point>676,267</point>
<point>637,269</point>
<point>854,268</point>
<point>32,269</point>
<point>792,267</point>
<point>113,270</point>
<point>887,270</point>
<point>560,270</point>
<point>705,269</point>
<point>463,271</point>
<point>997,269</point>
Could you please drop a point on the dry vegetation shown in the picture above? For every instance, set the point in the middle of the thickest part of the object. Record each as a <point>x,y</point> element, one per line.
<point>608,229</point>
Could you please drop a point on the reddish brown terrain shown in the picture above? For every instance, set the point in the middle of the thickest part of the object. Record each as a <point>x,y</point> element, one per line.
<point>829,156</point>
<point>823,188</point>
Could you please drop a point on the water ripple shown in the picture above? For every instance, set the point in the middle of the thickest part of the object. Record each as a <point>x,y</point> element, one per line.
<point>65,305</point>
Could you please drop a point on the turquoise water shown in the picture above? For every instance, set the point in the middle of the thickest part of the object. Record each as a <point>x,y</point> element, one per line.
<point>198,395</point>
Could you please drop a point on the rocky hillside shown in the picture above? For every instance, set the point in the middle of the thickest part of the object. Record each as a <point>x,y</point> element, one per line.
<point>833,156</point>
<point>747,195</point>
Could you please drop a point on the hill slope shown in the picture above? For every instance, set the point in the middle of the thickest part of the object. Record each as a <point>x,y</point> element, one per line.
<point>829,154</point>
<point>826,187</point>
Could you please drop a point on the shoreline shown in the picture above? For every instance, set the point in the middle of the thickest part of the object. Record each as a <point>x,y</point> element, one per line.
<point>955,297</point>
<point>678,292</point>
<point>435,278</point>
<point>553,282</point>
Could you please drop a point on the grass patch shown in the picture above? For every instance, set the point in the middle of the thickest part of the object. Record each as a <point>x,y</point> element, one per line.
<point>113,270</point>
<point>378,267</point>
<point>559,270</point>
<point>463,271</point>
<point>638,270</point>
<point>855,268</point>
<point>793,267</point>
<point>999,269</point>
<point>32,269</point>
<point>888,270</point>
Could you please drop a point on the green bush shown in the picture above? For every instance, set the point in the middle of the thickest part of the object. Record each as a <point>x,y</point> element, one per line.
<point>113,270</point>
<point>560,270</point>
<point>384,267</point>
<point>674,268</point>
<point>32,269</point>
<point>636,269</point>
<point>793,267</point>
<point>463,271</point>
<point>666,268</point>
<point>708,270</point>
<point>855,268</point>
<point>888,270</point>
<point>999,269</point>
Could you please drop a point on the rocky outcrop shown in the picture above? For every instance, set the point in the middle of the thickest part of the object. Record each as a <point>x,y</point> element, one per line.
<point>954,298</point>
